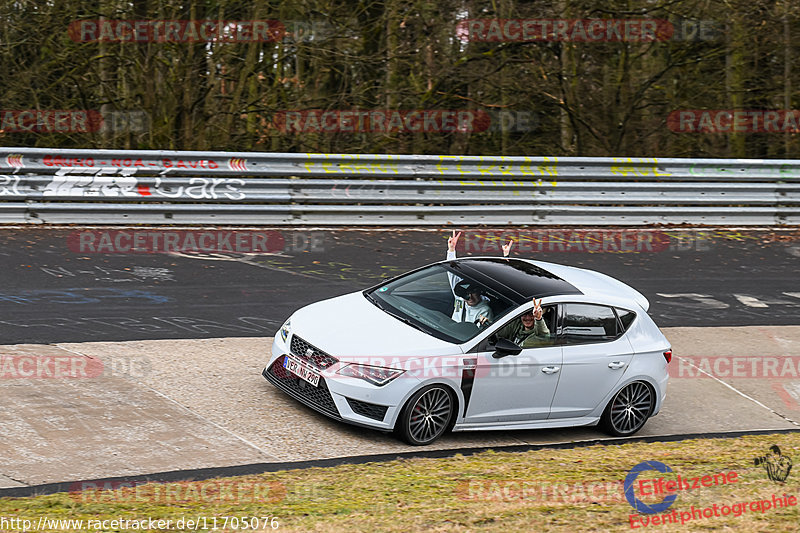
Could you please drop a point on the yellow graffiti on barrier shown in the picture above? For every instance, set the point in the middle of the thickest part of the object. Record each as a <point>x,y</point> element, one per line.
<point>360,165</point>
<point>641,167</point>
<point>344,168</point>
<point>548,167</point>
<point>515,184</point>
<point>443,168</point>
<point>735,235</point>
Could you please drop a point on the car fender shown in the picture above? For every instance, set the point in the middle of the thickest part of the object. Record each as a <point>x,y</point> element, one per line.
<point>598,412</point>
<point>451,383</point>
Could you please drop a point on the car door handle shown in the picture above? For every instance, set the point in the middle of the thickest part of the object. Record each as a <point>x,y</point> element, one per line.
<point>616,364</point>
<point>551,369</point>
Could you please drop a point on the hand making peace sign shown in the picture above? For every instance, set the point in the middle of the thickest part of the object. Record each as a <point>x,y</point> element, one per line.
<point>452,241</point>
<point>537,309</point>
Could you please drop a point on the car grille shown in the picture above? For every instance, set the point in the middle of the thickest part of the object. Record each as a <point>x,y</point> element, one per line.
<point>312,354</point>
<point>370,410</point>
<point>318,398</point>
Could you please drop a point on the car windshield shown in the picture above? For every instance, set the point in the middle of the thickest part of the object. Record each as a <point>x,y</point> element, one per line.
<point>435,300</point>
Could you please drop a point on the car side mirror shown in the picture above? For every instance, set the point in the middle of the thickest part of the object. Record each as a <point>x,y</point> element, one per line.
<point>504,347</point>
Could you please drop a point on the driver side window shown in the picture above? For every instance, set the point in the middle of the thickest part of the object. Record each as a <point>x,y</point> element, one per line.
<point>527,333</point>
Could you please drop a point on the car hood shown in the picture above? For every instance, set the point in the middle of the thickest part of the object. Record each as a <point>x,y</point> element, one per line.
<point>352,326</point>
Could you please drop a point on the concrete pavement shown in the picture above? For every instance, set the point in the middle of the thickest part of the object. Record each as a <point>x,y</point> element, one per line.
<point>162,405</point>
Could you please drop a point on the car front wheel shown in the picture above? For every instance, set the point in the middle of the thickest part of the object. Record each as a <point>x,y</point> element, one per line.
<point>628,410</point>
<point>426,416</point>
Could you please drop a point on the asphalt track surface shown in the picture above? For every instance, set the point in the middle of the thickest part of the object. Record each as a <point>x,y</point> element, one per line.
<point>174,414</point>
<point>52,292</point>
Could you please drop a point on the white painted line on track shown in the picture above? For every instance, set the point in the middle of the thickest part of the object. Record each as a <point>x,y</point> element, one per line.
<point>740,393</point>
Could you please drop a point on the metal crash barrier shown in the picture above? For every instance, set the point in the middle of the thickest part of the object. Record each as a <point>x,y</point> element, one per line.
<point>41,185</point>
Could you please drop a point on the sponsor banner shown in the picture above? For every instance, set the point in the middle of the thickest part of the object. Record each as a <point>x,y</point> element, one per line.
<point>183,241</point>
<point>734,121</point>
<point>743,366</point>
<point>211,491</point>
<point>570,30</point>
<point>176,31</point>
<point>565,240</point>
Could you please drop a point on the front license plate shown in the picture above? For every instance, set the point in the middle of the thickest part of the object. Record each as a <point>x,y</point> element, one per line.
<point>301,370</point>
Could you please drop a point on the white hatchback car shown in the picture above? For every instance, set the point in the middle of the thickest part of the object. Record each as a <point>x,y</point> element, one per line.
<point>393,358</point>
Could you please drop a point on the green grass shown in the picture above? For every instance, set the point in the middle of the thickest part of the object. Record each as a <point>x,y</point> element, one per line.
<point>475,493</point>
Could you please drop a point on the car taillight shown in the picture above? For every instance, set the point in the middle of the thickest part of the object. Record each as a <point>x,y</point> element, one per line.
<point>668,355</point>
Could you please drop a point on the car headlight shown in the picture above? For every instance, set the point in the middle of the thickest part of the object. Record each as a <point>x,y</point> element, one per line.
<point>377,375</point>
<point>286,328</point>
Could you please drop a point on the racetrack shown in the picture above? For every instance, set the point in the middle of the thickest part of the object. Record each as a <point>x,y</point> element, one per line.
<point>183,339</point>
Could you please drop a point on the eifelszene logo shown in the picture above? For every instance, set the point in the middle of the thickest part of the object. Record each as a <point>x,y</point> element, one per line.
<point>669,487</point>
<point>635,502</point>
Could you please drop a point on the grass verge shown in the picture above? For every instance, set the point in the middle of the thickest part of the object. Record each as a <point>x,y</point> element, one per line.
<point>543,490</point>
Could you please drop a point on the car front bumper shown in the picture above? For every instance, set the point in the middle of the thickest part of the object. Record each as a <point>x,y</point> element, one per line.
<point>341,398</point>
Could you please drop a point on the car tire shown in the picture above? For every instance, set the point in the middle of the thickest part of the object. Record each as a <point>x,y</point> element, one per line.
<point>427,415</point>
<point>628,410</point>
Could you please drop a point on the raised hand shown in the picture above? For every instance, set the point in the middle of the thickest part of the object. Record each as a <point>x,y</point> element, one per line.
<point>507,248</point>
<point>452,241</point>
<point>538,312</point>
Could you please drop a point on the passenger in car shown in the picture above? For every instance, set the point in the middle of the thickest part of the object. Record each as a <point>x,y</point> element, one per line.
<point>470,304</point>
<point>528,330</point>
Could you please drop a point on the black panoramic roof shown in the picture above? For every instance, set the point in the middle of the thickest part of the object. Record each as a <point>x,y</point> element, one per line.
<point>517,280</point>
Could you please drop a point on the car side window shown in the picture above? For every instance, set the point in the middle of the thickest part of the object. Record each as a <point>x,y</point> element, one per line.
<point>513,330</point>
<point>625,317</point>
<point>587,323</point>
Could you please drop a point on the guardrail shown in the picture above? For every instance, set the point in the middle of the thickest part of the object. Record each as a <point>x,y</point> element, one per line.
<point>41,185</point>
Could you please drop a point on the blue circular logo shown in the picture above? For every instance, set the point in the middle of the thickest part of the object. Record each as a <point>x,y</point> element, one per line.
<point>638,504</point>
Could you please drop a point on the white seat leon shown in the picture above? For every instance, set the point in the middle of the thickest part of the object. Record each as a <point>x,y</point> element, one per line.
<point>394,357</point>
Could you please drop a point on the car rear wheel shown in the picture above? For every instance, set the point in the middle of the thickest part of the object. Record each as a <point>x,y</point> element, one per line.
<point>628,410</point>
<point>426,416</point>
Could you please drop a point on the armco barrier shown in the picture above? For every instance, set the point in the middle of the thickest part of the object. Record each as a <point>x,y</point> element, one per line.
<point>41,185</point>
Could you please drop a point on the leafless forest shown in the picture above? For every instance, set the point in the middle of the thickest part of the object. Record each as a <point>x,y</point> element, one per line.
<point>581,97</point>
